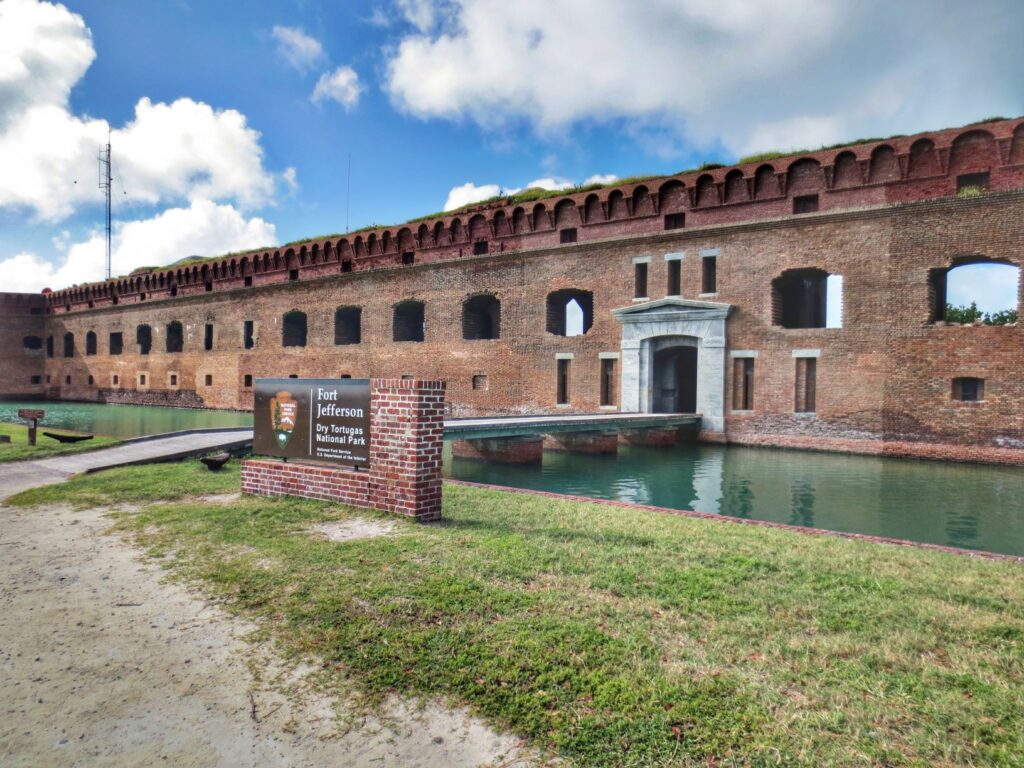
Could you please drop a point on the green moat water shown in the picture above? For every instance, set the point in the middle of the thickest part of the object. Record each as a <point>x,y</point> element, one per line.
<point>124,421</point>
<point>971,506</point>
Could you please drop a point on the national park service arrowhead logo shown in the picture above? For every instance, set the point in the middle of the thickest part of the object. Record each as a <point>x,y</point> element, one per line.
<point>283,412</point>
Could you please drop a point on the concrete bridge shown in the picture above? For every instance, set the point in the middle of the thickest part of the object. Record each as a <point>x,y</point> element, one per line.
<point>522,439</point>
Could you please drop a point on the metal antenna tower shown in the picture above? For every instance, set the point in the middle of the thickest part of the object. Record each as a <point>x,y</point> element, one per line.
<point>105,184</point>
<point>348,190</point>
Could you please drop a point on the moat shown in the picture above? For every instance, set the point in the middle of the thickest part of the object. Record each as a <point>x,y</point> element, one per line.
<point>124,421</point>
<point>971,506</point>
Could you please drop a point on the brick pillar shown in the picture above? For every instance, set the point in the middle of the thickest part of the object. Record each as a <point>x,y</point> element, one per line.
<point>407,429</point>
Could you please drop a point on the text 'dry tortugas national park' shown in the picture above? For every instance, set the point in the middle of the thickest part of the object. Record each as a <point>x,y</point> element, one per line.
<point>795,302</point>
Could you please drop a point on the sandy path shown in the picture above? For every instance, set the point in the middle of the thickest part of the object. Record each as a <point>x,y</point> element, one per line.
<point>103,663</point>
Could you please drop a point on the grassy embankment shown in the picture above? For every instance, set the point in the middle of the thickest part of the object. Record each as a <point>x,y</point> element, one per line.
<point>45,447</point>
<point>616,637</point>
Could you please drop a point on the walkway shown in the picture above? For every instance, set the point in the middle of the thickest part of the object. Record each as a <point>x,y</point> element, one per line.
<point>21,475</point>
<point>519,426</point>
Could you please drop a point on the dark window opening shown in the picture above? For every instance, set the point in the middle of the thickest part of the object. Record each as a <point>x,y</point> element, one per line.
<point>806,384</point>
<point>675,268</point>
<point>968,389</point>
<point>208,337</point>
<point>562,395</point>
<point>480,381</point>
<point>346,265</point>
<point>175,341</point>
<point>743,384</point>
<point>675,220</point>
<point>174,292</point>
<point>567,235</point>
<point>248,339</point>
<point>480,247</point>
<point>570,312</point>
<point>174,379</point>
<point>49,346</point>
<point>36,379</point>
<point>69,345</point>
<point>346,375</point>
<point>410,258</point>
<point>348,323</point>
<point>209,380</point>
<point>799,298</point>
<point>47,378</point>
<point>91,381</point>
<point>144,338</point>
<point>972,182</point>
<point>709,274</point>
<point>293,274</point>
<point>117,380</point>
<point>116,343</point>
<point>805,204</point>
<point>608,381</point>
<point>640,281</point>
<point>408,321</point>
<point>247,281</point>
<point>90,343</point>
<point>481,318</point>
<point>407,377</point>
<point>293,329</point>
<point>293,375</point>
<point>32,342</point>
<point>142,379</point>
<point>142,296</point>
<point>209,287</point>
<point>67,380</point>
<point>247,381</point>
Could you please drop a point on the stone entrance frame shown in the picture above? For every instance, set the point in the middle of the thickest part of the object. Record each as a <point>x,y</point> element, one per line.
<point>654,325</point>
<point>404,476</point>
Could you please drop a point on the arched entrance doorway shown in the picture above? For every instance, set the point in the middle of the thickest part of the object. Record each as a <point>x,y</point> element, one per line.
<point>674,385</point>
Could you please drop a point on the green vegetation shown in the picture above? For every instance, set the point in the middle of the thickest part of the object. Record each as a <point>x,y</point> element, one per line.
<point>971,190</point>
<point>45,447</point>
<point>617,637</point>
<point>970,315</point>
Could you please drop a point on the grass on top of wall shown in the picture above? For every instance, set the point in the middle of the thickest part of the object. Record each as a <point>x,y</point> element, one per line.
<point>19,449</point>
<point>617,637</point>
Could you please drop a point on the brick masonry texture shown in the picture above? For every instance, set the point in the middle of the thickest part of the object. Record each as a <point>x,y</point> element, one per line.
<point>404,477</point>
<point>888,213</point>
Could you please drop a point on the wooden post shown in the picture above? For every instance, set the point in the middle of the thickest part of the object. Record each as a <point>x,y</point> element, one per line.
<point>33,415</point>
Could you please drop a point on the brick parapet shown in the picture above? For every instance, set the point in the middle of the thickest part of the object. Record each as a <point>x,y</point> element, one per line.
<point>404,476</point>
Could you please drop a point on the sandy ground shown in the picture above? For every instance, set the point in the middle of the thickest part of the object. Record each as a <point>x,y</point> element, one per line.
<point>105,663</point>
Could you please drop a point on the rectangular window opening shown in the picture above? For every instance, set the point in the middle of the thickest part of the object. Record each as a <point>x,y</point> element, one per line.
<point>709,274</point>
<point>174,379</point>
<point>563,382</point>
<point>567,235</point>
<point>480,247</point>
<point>674,277</point>
<point>743,384</point>
<point>91,381</point>
<point>805,204</point>
<point>806,384</point>
<point>247,281</point>
<point>640,281</point>
<point>968,389</point>
<point>410,258</point>
<point>37,379</point>
<point>208,337</point>
<point>116,380</point>
<point>480,381</point>
<point>346,265</point>
<point>293,274</point>
<point>972,183</point>
<point>209,287</point>
<point>116,343</point>
<point>675,220</point>
<point>247,381</point>
<point>209,380</point>
<point>608,381</point>
<point>248,338</point>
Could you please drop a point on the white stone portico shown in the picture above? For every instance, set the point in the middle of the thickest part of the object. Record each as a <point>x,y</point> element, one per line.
<point>654,325</point>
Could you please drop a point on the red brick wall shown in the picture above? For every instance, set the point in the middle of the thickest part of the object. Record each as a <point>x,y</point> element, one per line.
<point>406,438</point>
<point>21,315</point>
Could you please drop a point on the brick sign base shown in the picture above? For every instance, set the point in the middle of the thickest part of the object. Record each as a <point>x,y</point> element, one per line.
<point>404,477</point>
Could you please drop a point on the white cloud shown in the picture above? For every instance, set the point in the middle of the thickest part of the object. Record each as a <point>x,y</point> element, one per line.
<point>204,228</point>
<point>422,14</point>
<point>290,177</point>
<point>185,150</point>
<point>301,51</point>
<point>469,193</point>
<point>711,71</point>
<point>341,85</point>
<point>549,182</point>
<point>600,178</point>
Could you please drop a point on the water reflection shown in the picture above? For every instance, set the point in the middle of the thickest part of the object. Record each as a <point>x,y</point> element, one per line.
<point>961,505</point>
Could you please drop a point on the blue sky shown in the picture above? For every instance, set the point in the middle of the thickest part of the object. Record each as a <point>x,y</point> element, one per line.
<point>233,125</point>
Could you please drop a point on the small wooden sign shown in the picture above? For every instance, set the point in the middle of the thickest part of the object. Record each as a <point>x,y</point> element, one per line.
<point>30,413</point>
<point>313,419</point>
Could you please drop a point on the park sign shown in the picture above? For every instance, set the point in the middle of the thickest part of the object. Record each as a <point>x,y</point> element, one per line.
<point>313,419</point>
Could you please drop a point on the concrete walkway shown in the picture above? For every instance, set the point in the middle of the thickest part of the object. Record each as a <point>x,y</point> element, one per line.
<point>18,476</point>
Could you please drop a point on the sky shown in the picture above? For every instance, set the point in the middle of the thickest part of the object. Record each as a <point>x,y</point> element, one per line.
<point>235,126</point>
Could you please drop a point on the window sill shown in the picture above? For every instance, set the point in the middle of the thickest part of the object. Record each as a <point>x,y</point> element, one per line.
<point>640,298</point>
<point>806,414</point>
<point>608,407</point>
<point>708,295</point>
<point>741,412</point>
<point>563,405</point>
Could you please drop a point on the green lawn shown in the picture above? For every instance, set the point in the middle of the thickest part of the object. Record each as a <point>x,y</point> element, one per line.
<point>615,637</point>
<point>45,447</point>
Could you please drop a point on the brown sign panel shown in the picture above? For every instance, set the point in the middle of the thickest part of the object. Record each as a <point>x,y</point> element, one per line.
<point>30,413</point>
<point>317,419</point>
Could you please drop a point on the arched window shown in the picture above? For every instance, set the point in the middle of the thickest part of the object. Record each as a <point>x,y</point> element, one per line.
<point>807,298</point>
<point>293,329</point>
<point>408,322</point>
<point>570,312</point>
<point>90,343</point>
<point>175,341</point>
<point>69,344</point>
<point>975,290</point>
<point>348,325</point>
<point>144,339</point>
<point>481,318</point>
